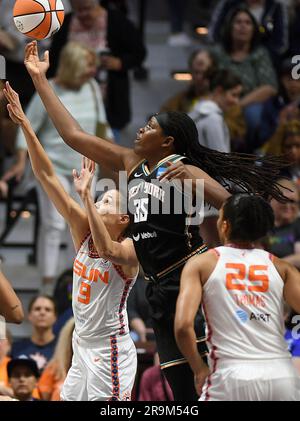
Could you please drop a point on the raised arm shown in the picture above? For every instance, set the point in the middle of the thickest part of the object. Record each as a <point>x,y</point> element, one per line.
<point>105,153</point>
<point>188,302</point>
<point>10,305</point>
<point>119,253</point>
<point>44,171</point>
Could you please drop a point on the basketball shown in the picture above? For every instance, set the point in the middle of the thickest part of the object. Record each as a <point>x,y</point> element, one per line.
<point>38,19</point>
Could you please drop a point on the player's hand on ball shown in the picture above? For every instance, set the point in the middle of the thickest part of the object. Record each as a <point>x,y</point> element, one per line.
<point>34,65</point>
<point>14,106</point>
<point>83,180</point>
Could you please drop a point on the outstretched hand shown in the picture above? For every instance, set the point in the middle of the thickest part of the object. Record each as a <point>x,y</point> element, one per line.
<point>34,65</point>
<point>14,106</point>
<point>83,180</point>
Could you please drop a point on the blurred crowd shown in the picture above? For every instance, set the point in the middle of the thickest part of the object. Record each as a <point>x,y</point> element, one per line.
<point>243,95</point>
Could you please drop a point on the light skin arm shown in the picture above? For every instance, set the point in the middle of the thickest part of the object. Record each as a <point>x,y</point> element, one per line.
<point>119,253</point>
<point>44,172</point>
<point>105,153</point>
<point>188,302</point>
<point>10,306</point>
<point>261,94</point>
<point>214,193</point>
<point>17,170</point>
<point>138,325</point>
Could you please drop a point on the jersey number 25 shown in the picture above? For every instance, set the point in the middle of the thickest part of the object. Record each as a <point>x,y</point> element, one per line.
<point>237,280</point>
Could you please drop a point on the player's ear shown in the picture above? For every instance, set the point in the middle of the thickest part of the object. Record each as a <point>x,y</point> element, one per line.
<point>169,140</point>
<point>124,219</point>
<point>225,228</point>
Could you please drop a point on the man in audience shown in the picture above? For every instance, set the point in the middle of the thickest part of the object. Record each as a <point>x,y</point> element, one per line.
<point>23,375</point>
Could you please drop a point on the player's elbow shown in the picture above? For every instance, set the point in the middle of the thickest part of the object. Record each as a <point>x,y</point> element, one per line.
<point>181,328</point>
<point>16,315</point>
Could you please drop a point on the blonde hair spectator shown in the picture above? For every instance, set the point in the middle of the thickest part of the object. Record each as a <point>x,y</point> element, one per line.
<point>73,63</point>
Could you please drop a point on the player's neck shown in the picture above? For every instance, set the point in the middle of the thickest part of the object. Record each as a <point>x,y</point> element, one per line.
<point>239,245</point>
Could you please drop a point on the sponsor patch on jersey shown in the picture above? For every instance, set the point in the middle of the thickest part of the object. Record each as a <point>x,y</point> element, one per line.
<point>242,316</point>
<point>105,264</point>
<point>160,171</point>
<point>260,317</point>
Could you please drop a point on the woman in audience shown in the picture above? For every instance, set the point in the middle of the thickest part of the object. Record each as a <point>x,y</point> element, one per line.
<point>241,51</point>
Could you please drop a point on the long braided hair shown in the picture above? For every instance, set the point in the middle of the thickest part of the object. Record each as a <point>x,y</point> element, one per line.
<point>235,171</point>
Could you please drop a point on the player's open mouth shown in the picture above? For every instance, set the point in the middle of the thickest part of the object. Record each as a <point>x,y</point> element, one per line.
<point>138,139</point>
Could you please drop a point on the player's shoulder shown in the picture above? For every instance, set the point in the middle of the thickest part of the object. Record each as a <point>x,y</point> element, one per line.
<point>284,268</point>
<point>209,256</point>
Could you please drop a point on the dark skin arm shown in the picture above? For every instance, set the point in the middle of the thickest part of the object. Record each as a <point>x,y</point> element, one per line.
<point>291,278</point>
<point>214,193</point>
<point>194,275</point>
<point>105,153</point>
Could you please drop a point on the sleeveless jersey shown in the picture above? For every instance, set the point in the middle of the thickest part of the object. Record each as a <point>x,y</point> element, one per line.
<point>160,226</point>
<point>243,304</point>
<point>100,291</point>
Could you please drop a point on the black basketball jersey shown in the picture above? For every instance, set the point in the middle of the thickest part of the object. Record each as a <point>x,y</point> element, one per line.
<point>160,226</point>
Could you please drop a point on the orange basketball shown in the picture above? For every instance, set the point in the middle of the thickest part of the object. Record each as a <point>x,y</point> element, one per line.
<point>38,19</point>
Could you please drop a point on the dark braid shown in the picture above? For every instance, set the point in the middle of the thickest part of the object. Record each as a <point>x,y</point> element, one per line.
<point>251,217</point>
<point>235,171</point>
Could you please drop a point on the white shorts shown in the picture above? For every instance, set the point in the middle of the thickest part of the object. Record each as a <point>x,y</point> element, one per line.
<point>101,370</point>
<point>268,380</point>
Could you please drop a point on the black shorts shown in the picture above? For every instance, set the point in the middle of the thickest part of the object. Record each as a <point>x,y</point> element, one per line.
<point>162,296</point>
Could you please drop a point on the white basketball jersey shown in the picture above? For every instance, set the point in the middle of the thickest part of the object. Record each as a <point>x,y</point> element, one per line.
<point>100,291</point>
<point>243,305</point>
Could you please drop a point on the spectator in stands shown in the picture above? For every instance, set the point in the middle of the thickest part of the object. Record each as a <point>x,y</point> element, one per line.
<point>282,107</point>
<point>178,37</point>
<point>292,336</point>
<point>75,86</point>
<point>40,346</point>
<point>154,386</point>
<point>284,242</point>
<point>294,29</point>
<point>201,64</point>
<point>116,40</point>
<point>286,140</point>
<point>54,375</point>
<point>241,52</point>
<point>23,375</point>
<point>271,16</point>
<point>5,347</point>
<point>139,313</point>
<point>208,114</point>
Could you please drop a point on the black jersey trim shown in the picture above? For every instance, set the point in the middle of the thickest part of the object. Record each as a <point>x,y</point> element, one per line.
<point>168,364</point>
<point>174,158</point>
<point>177,264</point>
